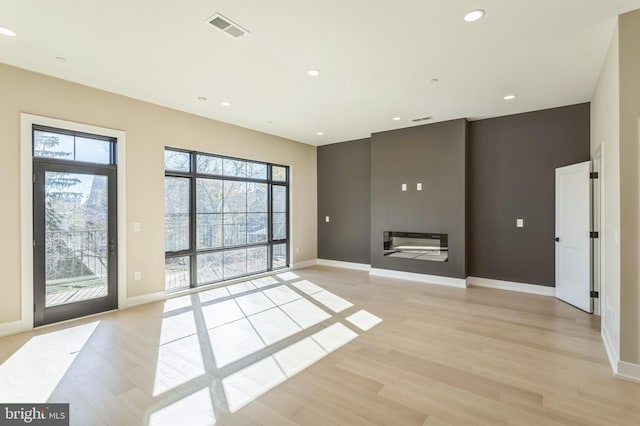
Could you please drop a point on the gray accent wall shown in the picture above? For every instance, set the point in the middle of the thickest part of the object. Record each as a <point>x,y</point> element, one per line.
<point>344,196</point>
<point>478,178</point>
<point>512,162</point>
<point>434,155</point>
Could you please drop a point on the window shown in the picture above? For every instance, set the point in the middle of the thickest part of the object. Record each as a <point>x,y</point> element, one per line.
<point>224,218</point>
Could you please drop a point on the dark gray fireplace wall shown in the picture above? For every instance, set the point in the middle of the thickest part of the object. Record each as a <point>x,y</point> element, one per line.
<point>434,155</point>
<point>512,162</point>
<point>344,196</point>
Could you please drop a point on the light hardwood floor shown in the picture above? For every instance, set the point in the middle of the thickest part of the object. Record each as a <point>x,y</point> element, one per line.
<point>326,346</point>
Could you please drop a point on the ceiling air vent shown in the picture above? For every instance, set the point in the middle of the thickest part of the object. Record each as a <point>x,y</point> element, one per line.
<point>416,120</point>
<point>227,26</point>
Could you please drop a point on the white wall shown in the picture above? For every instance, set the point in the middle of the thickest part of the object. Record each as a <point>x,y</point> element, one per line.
<point>149,128</point>
<point>605,131</point>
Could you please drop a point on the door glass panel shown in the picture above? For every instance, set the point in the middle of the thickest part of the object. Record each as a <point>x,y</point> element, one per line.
<point>76,237</point>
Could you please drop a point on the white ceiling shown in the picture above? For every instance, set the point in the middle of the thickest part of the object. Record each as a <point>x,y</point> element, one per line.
<point>377,57</point>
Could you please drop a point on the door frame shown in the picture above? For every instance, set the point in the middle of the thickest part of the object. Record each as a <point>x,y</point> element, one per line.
<point>598,259</point>
<point>26,206</point>
<point>58,313</point>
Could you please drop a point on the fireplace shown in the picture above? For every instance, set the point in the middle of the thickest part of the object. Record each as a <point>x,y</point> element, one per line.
<point>416,245</point>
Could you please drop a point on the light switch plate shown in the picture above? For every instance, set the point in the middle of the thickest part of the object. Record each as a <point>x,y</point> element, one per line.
<point>404,186</point>
<point>326,219</point>
<point>520,223</point>
<point>418,187</point>
<point>136,226</point>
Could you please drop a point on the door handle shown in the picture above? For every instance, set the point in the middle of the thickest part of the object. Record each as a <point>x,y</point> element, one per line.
<point>556,239</point>
<point>112,246</point>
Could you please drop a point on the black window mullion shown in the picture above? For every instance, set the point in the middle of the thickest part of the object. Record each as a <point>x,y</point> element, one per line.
<point>193,223</point>
<point>193,175</point>
<point>270,220</point>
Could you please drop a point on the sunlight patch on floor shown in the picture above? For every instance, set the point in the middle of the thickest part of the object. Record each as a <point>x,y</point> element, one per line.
<point>194,410</point>
<point>217,328</point>
<point>33,372</point>
<point>251,382</point>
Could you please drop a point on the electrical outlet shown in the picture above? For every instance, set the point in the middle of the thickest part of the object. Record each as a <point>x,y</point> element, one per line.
<point>418,187</point>
<point>404,186</point>
<point>520,223</point>
<point>326,219</point>
<point>137,276</point>
<point>136,227</point>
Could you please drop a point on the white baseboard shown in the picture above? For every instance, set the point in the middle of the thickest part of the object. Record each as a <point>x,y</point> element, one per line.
<point>304,264</point>
<point>512,286</point>
<point>13,327</point>
<point>345,265</point>
<point>422,278</point>
<point>621,369</point>
<point>628,371</point>
<point>609,347</point>
<point>145,298</point>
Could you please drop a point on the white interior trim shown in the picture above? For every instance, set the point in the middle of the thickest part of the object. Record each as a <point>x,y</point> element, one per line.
<point>7,328</point>
<point>512,286</point>
<point>26,206</point>
<point>598,305</point>
<point>144,298</point>
<point>612,353</point>
<point>628,371</point>
<point>304,264</point>
<point>345,265</point>
<point>422,278</point>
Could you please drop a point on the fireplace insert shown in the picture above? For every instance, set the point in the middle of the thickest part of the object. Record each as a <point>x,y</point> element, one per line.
<point>416,245</point>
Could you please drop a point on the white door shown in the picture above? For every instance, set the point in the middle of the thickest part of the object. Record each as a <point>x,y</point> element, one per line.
<point>573,206</point>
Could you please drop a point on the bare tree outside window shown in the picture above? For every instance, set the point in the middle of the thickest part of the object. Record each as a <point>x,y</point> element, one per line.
<point>234,227</point>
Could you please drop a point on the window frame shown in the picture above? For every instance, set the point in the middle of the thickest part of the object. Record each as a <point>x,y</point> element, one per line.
<point>113,146</point>
<point>193,251</point>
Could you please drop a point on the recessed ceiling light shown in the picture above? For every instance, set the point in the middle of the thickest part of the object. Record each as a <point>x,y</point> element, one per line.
<point>61,59</point>
<point>434,80</point>
<point>7,32</point>
<point>396,118</point>
<point>509,97</point>
<point>269,122</point>
<point>202,99</point>
<point>474,15</point>
<point>320,133</point>
<point>225,104</point>
<point>313,73</point>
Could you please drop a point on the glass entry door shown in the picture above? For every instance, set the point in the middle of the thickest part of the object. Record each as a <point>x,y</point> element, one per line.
<point>75,247</point>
